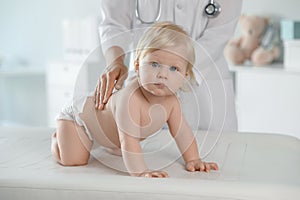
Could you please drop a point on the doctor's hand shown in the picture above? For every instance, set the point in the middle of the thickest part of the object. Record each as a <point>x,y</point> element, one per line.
<point>199,165</point>
<point>113,77</point>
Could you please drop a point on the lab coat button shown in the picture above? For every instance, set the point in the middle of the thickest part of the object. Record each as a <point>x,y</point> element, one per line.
<point>138,22</point>
<point>179,6</point>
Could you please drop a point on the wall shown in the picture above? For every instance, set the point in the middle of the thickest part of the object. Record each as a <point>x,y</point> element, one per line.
<point>30,37</point>
<point>22,99</point>
<point>288,9</point>
<point>31,34</point>
<point>31,30</point>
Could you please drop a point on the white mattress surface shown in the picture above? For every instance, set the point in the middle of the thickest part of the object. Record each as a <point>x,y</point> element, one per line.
<point>252,166</point>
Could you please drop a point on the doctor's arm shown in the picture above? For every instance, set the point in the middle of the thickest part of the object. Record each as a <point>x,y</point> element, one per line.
<point>114,35</point>
<point>113,77</point>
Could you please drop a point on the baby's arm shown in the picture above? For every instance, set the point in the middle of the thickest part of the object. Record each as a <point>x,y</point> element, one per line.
<point>186,141</point>
<point>134,159</point>
<point>128,117</point>
<point>132,154</point>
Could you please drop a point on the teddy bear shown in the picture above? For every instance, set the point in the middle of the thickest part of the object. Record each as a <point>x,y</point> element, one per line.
<point>258,42</point>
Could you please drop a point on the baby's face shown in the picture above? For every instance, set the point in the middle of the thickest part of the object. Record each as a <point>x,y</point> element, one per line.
<point>162,72</point>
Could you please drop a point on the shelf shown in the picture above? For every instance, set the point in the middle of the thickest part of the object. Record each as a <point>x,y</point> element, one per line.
<point>274,68</point>
<point>24,71</point>
<point>267,99</point>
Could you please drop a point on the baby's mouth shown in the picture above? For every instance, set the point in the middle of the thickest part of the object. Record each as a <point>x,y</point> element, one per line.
<point>160,85</point>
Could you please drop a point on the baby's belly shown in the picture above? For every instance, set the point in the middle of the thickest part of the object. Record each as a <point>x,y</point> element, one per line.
<point>101,124</point>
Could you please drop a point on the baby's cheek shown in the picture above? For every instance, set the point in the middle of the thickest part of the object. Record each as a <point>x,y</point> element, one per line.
<point>146,76</point>
<point>177,83</point>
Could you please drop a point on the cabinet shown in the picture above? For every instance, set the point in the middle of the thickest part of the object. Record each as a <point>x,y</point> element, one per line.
<point>22,96</point>
<point>66,80</point>
<point>267,99</point>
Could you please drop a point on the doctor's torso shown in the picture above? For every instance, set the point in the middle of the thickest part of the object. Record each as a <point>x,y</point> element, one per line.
<point>187,14</point>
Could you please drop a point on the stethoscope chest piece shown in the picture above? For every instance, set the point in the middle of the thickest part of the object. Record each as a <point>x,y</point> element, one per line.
<point>212,9</point>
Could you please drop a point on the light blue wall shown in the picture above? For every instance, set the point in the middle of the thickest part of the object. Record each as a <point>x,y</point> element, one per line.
<point>287,9</point>
<point>31,30</point>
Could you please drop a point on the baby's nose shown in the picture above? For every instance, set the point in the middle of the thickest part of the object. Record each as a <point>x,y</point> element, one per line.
<point>162,72</point>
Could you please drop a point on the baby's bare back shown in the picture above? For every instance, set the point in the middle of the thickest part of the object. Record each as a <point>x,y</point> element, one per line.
<point>150,118</point>
<point>101,124</point>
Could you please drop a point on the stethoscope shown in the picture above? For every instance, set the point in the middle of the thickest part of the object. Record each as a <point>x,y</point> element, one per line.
<point>212,9</point>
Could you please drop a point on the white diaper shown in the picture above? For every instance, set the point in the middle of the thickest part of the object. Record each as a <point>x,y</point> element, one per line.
<point>71,112</point>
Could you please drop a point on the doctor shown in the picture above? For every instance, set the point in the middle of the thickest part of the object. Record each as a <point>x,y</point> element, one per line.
<point>211,23</point>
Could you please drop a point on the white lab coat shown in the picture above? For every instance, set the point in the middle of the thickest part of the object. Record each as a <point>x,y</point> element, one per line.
<point>215,109</point>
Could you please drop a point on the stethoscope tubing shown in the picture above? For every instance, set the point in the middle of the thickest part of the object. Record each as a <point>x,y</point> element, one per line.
<point>217,10</point>
<point>137,13</point>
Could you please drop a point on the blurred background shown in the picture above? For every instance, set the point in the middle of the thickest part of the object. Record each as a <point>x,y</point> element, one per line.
<point>33,36</point>
<point>43,44</point>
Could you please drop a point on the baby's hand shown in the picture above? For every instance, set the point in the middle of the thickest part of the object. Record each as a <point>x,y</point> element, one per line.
<point>198,165</point>
<point>154,174</point>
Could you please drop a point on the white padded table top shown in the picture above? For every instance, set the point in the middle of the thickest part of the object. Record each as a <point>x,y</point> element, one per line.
<point>252,166</point>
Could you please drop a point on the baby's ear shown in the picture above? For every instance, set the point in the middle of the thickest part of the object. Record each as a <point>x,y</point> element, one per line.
<point>186,73</point>
<point>242,18</point>
<point>136,65</point>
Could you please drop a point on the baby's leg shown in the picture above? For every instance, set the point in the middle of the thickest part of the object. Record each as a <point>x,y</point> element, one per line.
<point>70,144</point>
<point>115,151</point>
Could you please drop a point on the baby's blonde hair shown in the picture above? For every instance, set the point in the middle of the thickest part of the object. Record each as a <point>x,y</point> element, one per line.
<point>166,35</point>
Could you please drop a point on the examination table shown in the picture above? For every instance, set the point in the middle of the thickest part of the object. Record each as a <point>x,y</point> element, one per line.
<point>252,166</point>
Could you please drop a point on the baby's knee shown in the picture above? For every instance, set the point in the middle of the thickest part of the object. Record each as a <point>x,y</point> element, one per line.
<point>54,147</point>
<point>66,160</point>
<point>73,162</point>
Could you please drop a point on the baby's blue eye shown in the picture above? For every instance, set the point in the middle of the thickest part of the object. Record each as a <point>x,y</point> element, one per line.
<point>173,68</point>
<point>155,64</point>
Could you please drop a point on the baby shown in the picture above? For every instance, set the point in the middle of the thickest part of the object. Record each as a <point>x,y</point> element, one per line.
<point>164,61</point>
